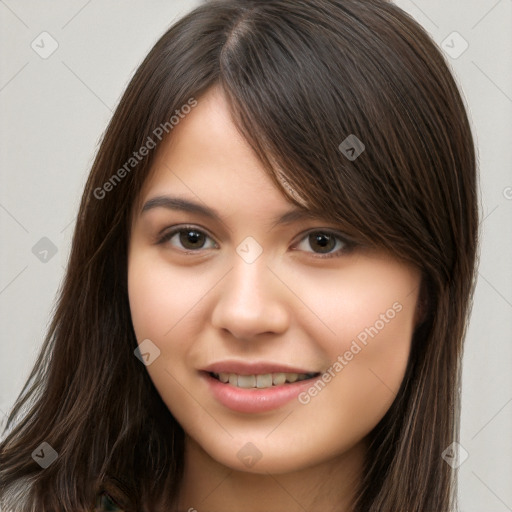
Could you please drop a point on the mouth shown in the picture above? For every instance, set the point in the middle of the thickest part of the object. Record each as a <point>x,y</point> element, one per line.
<point>254,388</point>
<point>261,381</point>
<point>257,386</point>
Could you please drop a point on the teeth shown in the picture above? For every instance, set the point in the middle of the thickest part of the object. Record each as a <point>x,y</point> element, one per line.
<point>263,381</point>
<point>246,381</point>
<point>278,379</point>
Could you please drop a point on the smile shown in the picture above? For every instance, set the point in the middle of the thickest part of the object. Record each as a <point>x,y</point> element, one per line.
<point>257,392</point>
<point>261,381</point>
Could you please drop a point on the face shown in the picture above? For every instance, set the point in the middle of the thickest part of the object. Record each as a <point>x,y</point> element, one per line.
<point>311,332</point>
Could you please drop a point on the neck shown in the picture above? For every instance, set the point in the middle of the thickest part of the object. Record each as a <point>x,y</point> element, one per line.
<point>327,486</point>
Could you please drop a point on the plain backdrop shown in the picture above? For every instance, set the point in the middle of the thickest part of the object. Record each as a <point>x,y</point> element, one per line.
<point>55,109</point>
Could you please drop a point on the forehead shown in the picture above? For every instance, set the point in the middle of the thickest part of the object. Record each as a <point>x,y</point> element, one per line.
<point>206,161</point>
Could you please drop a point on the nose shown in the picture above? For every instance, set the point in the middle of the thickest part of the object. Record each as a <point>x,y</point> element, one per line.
<point>251,301</point>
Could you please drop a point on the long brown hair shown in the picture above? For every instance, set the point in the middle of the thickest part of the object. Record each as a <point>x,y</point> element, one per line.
<point>301,78</point>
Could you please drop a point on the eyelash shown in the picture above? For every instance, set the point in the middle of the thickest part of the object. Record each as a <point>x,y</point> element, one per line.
<point>348,245</point>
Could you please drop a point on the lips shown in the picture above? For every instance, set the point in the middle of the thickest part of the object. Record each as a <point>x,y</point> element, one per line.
<point>256,387</point>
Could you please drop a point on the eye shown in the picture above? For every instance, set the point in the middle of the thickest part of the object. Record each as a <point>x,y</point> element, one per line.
<point>326,241</point>
<point>189,238</point>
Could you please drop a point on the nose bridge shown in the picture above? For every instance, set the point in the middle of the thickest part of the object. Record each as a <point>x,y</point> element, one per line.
<point>250,300</point>
<point>247,277</point>
<point>248,287</point>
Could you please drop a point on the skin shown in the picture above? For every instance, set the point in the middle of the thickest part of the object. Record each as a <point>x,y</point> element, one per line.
<point>288,306</point>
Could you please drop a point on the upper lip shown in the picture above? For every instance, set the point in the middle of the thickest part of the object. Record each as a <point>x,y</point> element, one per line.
<point>259,368</point>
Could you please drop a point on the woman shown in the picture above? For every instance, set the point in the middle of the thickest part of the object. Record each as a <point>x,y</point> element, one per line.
<point>270,277</point>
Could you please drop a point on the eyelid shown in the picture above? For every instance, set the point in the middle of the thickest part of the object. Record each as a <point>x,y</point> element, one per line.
<point>164,235</point>
<point>167,233</point>
<point>348,243</point>
<point>328,231</point>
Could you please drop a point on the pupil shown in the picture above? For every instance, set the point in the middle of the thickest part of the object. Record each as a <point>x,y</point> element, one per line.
<point>324,241</point>
<point>192,238</point>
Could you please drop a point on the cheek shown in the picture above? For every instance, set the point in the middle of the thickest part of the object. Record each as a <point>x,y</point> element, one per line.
<point>161,297</point>
<point>152,304</point>
<point>162,301</point>
<point>371,319</point>
<point>373,360</point>
<point>146,305</point>
<point>370,301</point>
<point>168,307</point>
<point>375,330</point>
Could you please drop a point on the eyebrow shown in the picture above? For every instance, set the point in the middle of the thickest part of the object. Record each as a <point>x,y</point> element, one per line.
<point>185,205</point>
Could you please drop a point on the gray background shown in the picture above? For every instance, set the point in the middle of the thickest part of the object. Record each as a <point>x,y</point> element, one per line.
<point>54,111</point>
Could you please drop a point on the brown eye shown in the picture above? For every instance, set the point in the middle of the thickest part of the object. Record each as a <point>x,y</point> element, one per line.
<point>325,244</point>
<point>187,238</point>
<point>192,239</point>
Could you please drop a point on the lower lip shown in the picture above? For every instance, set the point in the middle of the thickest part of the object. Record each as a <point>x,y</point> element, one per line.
<point>254,400</point>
